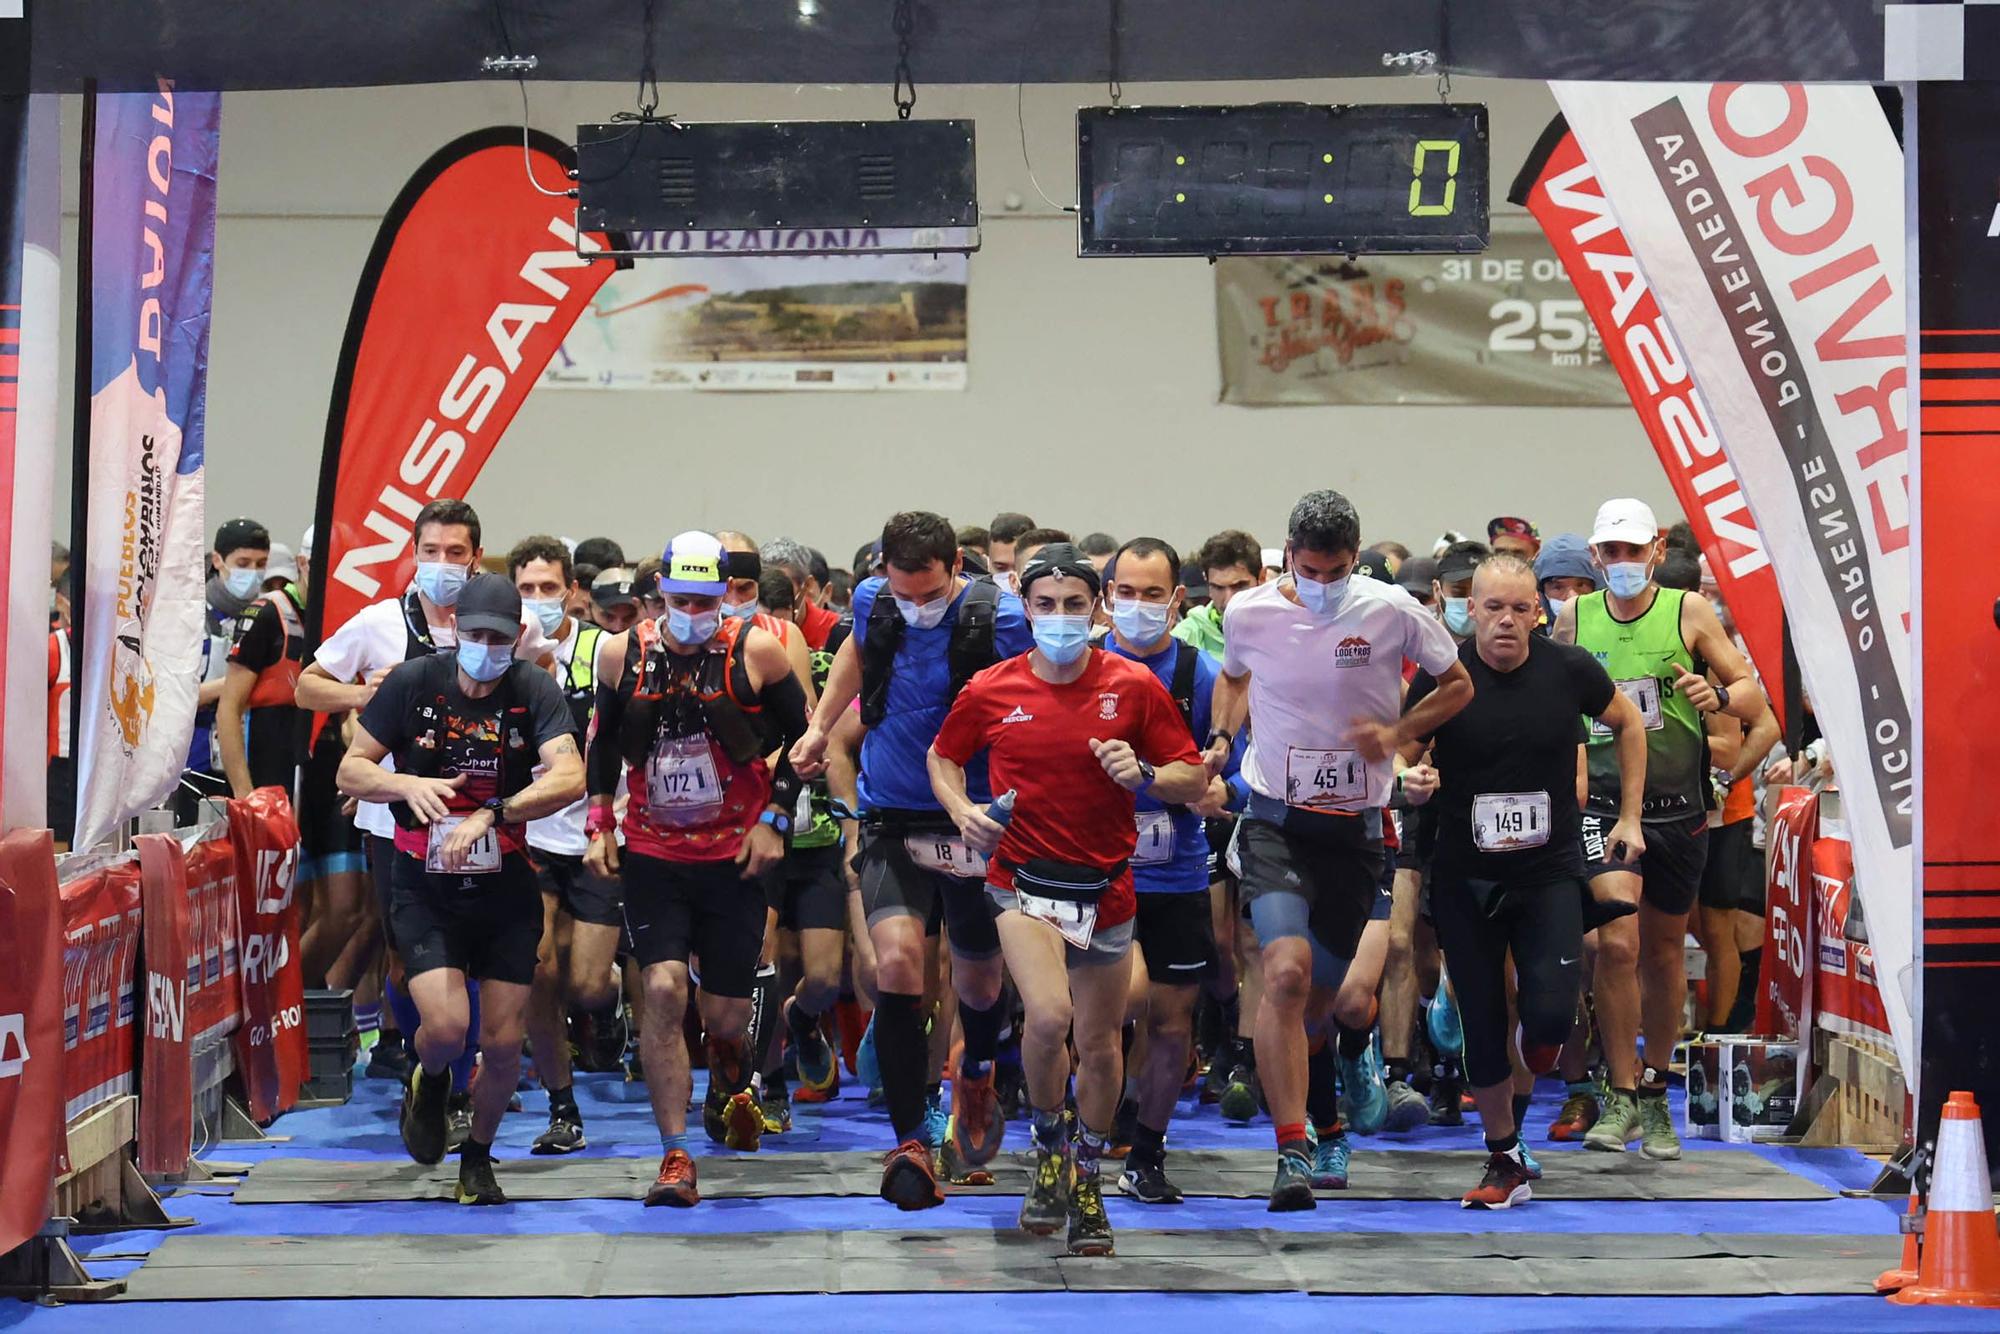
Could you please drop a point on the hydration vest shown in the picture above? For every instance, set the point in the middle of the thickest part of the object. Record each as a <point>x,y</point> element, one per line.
<point>579,679</point>
<point>675,694</point>
<point>279,683</point>
<point>422,754</point>
<point>970,653</point>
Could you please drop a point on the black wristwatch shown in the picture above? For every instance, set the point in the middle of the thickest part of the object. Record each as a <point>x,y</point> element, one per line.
<point>494,804</point>
<point>1147,772</point>
<point>1722,699</point>
<point>779,821</point>
<point>1227,738</point>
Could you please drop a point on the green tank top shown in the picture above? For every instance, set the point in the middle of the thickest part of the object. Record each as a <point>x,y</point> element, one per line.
<point>1641,656</point>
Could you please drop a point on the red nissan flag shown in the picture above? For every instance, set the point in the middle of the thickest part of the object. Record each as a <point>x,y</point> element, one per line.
<point>271,1049</point>
<point>1559,187</point>
<point>31,1036</point>
<point>473,283</point>
<point>166,1061</point>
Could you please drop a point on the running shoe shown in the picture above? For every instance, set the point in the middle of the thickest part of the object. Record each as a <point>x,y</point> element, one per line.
<point>1124,1125</point>
<point>1579,1113</point>
<point>475,1180</point>
<point>954,1169</point>
<point>458,1121</point>
<point>390,1059</point>
<point>635,1068</point>
<point>1618,1126</point>
<point>713,1106</point>
<point>976,1124</point>
<point>1292,1188</point>
<point>743,1122</point>
<point>1504,1185</point>
<point>867,1068</point>
<point>1147,1183</point>
<point>1441,1019</point>
<point>1361,1087</point>
<point>1407,1108</point>
<point>1240,1095</point>
<point>1329,1162</point>
<point>424,1119</point>
<point>1046,1205</point>
<point>819,1071</point>
<point>1448,1101</point>
<point>1528,1161</point>
<point>1657,1139</point>
<point>777,1104</point>
<point>909,1180</point>
<point>1089,1229</point>
<point>937,1121</point>
<point>675,1185</point>
<point>564,1135</point>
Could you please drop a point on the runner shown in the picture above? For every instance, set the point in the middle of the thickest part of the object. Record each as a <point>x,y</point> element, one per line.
<point>692,704</point>
<point>1507,880</point>
<point>467,729</point>
<point>921,632</point>
<point>1074,732</point>
<point>260,731</point>
<point>1314,662</point>
<point>235,583</point>
<point>1649,639</point>
<point>1001,558</point>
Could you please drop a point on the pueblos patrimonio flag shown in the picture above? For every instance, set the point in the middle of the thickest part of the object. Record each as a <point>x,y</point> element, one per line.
<point>152,254</point>
<point>1768,220</point>
<point>1560,188</point>
<point>474,280</point>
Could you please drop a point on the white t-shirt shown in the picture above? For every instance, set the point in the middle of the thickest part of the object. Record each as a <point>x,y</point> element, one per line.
<point>1312,676</point>
<point>563,832</point>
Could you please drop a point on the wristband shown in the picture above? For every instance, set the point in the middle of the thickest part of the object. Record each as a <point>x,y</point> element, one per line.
<point>599,820</point>
<point>1227,738</point>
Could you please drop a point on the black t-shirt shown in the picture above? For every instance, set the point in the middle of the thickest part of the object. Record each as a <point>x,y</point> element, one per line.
<point>275,740</point>
<point>1516,746</point>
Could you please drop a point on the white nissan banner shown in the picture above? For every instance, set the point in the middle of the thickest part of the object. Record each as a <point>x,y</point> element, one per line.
<point>1768,220</point>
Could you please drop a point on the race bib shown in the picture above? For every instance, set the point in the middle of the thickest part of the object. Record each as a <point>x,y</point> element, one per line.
<point>681,784</point>
<point>945,855</point>
<point>1076,922</point>
<point>1643,691</point>
<point>1325,779</point>
<point>484,859</point>
<point>1510,821</point>
<point>1156,839</point>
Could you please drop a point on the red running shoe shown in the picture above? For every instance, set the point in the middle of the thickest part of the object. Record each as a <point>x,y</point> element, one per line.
<point>909,1180</point>
<point>675,1184</point>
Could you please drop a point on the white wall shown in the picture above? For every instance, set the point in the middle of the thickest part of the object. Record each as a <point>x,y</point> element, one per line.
<point>1093,390</point>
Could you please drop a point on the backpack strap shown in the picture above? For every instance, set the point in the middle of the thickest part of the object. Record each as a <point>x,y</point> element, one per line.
<point>881,638</point>
<point>972,638</point>
<point>1182,689</point>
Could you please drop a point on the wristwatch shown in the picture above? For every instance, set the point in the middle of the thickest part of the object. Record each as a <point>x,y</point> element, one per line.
<point>1722,699</point>
<point>1148,773</point>
<point>493,804</point>
<point>778,820</point>
<point>1227,738</point>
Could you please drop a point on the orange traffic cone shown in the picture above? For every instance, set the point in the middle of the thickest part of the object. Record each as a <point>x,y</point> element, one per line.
<point>1961,1250</point>
<point>1904,1274</point>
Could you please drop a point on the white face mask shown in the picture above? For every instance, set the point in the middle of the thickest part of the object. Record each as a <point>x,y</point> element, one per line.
<point>924,615</point>
<point>1325,599</point>
<point>1008,580</point>
<point>1628,578</point>
<point>1139,622</point>
<point>242,581</point>
<point>549,611</point>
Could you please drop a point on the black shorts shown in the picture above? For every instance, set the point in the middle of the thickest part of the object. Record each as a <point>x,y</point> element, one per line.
<point>1333,862</point>
<point>1419,827</point>
<point>1177,935</point>
<point>812,890</point>
<point>1671,869</point>
<point>328,841</point>
<point>489,927</point>
<point>1733,876</point>
<point>586,897</point>
<point>674,909</point>
<point>892,885</point>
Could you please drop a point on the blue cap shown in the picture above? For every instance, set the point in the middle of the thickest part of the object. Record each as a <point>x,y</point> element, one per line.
<point>1566,556</point>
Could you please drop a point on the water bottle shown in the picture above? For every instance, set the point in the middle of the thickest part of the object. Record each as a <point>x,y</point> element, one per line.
<point>1001,809</point>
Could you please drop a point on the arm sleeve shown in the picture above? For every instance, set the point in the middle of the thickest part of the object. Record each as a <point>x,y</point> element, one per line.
<point>784,702</point>
<point>602,762</point>
<point>963,734</point>
<point>1593,684</point>
<point>260,639</point>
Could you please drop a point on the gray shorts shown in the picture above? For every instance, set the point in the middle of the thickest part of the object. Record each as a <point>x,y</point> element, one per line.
<point>1108,945</point>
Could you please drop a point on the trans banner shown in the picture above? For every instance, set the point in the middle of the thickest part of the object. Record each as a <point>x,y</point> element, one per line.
<point>152,251</point>
<point>1559,187</point>
<point>452,325</point>
<point>1768,222</point>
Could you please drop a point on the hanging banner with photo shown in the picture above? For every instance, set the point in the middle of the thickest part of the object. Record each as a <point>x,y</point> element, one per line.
<point>473,282</point>
<point>1503,327</point>
<point>797,320</point>
<point>1768,221</point>
<point>146,564</point>
<point>1559,187</point>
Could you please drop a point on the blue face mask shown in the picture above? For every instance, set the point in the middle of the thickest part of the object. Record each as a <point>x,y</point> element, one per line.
<point>484,662</point>
<point>440,581</point>
<point>740,611</point>
<point>692,627</point>
<point>242,581</point>
<point>1323,599</point>
<point>1628,578</point>
<point>1139,622</point>
<point>1062,639</point>
<point>1556,606</point>
<point>1458,616</point>
<point>549,611</point>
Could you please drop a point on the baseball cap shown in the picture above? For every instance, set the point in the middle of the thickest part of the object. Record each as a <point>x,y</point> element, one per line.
<point>613,588</point>
<point>239,533</point>
<point>489,602</point>
<point>1194,579</point>
<point>1509,526</point>
<point>282,565</point>
<point>1460,559</point>
<point>1624,521</point>
<point>1566,556</point>
<point>693,563</point>
<point>1274,558</point>
<point>1059,558</point>
<point>306,542</point>
<point>1416,574</point>
<point>1375,565</point>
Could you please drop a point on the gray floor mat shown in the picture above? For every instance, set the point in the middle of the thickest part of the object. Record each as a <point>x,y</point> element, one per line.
<point>1403,1174</point>
<point>196,1268</point>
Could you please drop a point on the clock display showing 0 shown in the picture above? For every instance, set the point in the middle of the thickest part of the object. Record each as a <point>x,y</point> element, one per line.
<point>1283,179</point>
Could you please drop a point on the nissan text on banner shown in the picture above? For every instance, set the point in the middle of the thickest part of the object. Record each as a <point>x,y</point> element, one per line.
<point>451,327</point>
<point>1768,220</point>
<point>146,566</point>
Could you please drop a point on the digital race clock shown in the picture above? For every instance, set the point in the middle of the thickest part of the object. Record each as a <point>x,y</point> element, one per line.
<point>1282,179</point>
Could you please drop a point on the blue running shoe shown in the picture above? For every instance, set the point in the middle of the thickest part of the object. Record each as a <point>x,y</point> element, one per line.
<point>937,1122</point>
<point>1361,1084</point>
<point>1329,1166</point>
<point>1528,1161</point>
<point>1447,1033</point>
<point>1292,1189</point>
<point>867,1069</point>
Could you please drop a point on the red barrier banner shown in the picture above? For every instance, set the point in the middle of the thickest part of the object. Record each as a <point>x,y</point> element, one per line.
<point>31,1048</point>
<point>215,1001</point>
<point>1563,192</point>
<point>271,1048</point>
<point>100,932</point>
<point>1785,1000</point>
<point>451,327</point>
<point>166,1068</point>
<point>1846,998</point>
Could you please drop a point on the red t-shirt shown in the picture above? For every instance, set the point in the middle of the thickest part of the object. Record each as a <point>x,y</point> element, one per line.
<point>818,623</point>
<point>1037,737</point>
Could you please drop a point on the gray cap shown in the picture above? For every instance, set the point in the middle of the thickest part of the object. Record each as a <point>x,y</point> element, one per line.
<point>489,602</point>
<point>1416,574</point>
<point>282,565</point>
<point>613,588</point>
<point>1566,556</point>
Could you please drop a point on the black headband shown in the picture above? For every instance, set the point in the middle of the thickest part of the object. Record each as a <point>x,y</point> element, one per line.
<point>1059,558</point>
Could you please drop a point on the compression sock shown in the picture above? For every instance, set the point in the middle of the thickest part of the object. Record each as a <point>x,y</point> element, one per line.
<point>1521,1101</point>
<point>1051,1131</point>
<point>461,1069</point>
<point>1744,1012</point>
<point>1509,1145</point>
<point>763,1017</point>
<point>902,1052</point>
<point>367,1018</point>
<point>562,1102</point>
<point>1149,1146</point>
<point>1089,1151</point>
<point>1292,1139</point>
<point>1353,1041</point>
<point>981,1029</point>
<point>1322,1085</point>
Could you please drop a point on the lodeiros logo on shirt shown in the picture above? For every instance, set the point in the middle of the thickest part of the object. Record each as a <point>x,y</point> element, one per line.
<point>1107,705</point>
<point>1019,715</point>
<point>1352,651</point>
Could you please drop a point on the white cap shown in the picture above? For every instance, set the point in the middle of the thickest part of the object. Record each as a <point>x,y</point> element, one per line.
<point>306,542</point>
<point>1274,558</point>
<point>1624,521</point>
<point>281,565</point>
